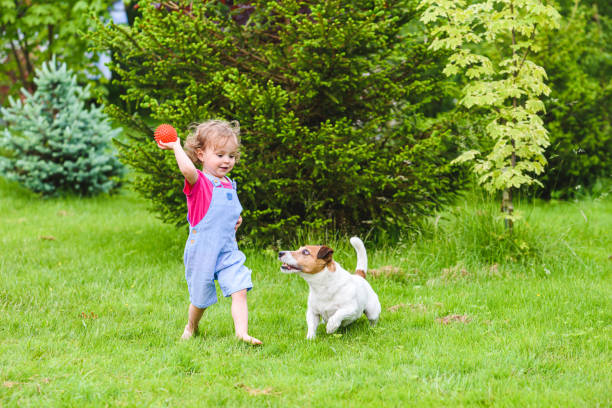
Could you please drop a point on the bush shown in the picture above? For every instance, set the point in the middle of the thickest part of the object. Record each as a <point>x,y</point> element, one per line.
<point>53,144</point>
<point>330,98</point>
<point>578,109</point>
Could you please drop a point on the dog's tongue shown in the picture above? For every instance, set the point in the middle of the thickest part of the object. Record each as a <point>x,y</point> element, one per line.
<point>289,267</point>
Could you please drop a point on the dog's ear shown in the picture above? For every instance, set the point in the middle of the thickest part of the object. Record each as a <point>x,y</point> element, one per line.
<point>325,253</point>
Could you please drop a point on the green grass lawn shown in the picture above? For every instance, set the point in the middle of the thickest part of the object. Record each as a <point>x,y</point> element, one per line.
<point>93,302</point>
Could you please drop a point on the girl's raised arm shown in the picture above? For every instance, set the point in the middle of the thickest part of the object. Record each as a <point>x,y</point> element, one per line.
<point>185,164</point>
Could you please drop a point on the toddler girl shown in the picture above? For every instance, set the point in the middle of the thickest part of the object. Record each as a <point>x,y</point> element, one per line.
<point>213,212</point>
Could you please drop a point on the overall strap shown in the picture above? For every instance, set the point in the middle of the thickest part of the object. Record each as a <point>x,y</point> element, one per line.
<point>232,182</point>
<point>215,181</point>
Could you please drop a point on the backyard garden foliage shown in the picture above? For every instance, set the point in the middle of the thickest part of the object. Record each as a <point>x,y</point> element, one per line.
<point>578,116</point>
<point>576,58</point>
<point>31,31</point>
<point>491,42</point>
<point>330,96</point>
<point>347,121</point>
<point>53,143</point>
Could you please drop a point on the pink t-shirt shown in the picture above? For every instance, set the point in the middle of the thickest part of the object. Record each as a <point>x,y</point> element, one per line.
<point>199,196</point>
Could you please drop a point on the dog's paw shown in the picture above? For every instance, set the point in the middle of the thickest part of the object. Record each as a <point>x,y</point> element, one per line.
<point>311,336</point>
<point>332,326</point>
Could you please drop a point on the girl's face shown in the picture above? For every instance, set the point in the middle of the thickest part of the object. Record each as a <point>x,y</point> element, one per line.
<point>219,161</point>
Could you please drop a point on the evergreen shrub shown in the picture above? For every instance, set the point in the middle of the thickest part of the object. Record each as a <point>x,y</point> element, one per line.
<point>330,96</point>
<point>578,110</point>
<point>53,143</point>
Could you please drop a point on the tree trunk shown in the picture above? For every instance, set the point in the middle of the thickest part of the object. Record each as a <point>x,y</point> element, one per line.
<point>508,208</point>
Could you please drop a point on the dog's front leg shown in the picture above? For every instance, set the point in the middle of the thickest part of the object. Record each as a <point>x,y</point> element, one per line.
<point>312,319</point>
<point>336,319</point>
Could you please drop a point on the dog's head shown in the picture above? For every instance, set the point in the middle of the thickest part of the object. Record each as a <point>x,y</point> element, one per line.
<point>309,259</point>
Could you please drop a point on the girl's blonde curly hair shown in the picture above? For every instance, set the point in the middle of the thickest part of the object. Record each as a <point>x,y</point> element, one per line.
<point>211,134</point>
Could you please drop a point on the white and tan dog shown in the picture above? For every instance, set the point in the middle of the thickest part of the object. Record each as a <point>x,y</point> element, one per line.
<point>336,296</point>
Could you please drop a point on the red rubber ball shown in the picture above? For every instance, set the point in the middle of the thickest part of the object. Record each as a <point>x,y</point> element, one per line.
<point>165,133</point>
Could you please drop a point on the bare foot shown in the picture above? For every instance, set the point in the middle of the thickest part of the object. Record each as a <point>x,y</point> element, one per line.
<point>249,339</point>
<point>188,333</point>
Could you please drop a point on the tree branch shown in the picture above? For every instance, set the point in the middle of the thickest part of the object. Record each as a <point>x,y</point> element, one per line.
<point>26,56</point>
<point>527,50</point>
<point>50,28</point>
<point>18,62</point>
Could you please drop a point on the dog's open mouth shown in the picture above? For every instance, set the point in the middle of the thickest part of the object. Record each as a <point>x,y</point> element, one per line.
<point>288,267</point>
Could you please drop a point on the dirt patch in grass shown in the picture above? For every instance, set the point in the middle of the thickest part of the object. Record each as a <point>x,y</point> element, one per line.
<point>392,271</point>
<point>452,274</point>
<point>386,270</point>
<point>460,273</point>
<point>257,391</point>
<point>10,384</point>
<point>414,306</point>
<point>453,318</point>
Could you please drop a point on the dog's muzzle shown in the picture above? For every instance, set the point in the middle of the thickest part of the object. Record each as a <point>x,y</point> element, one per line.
<point>286,267</point>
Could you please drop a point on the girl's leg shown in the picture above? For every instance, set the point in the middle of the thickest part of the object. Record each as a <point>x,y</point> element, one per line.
<point>240,314</point>
<point>195,313</point>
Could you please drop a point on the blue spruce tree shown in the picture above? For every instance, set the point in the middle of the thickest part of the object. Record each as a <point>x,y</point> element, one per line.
<point>53,143</point>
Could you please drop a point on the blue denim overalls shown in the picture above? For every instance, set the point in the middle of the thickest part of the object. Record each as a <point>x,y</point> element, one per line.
<point>211,251</point>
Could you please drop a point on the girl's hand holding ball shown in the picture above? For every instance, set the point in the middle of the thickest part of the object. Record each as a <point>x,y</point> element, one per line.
<point>165,136</point>
<point>167,146</point>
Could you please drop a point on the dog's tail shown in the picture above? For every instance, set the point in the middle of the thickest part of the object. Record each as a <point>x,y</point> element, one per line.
<point>362,257</point>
